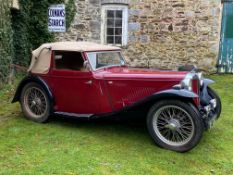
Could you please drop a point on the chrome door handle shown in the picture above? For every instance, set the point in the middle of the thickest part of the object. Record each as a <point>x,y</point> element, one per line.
<point>88,82</point>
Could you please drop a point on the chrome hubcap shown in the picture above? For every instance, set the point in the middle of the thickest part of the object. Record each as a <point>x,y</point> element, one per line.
<point>173,125</point>
<point>35,102</point>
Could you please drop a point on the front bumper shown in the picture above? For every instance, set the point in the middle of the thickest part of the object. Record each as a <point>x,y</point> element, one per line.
<point>210,104</point>
<point>208,113</point>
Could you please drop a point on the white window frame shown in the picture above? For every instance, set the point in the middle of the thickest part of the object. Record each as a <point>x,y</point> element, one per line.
<point>124,9</point>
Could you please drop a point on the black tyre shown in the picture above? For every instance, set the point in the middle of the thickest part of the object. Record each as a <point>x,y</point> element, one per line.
<point>175,125</point>
<point>35,103</point>
<point>214,95</point>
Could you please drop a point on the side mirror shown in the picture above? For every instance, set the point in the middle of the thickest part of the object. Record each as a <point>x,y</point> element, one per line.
<point>86,65</point>
<point>123,62</point>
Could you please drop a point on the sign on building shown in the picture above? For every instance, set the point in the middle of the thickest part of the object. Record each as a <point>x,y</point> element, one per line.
<point>57,18</point>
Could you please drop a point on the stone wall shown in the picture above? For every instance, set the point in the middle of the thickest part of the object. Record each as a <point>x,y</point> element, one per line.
<point>172,33</point>
<point>162,34</point>
<point>86,24</point>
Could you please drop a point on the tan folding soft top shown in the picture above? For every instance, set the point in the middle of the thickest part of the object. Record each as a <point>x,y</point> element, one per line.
<point>41,57</point>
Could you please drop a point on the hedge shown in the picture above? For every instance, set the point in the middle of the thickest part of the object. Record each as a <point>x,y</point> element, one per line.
<point>21,31</point>
<point>6,43</point>
<point>30,26</point>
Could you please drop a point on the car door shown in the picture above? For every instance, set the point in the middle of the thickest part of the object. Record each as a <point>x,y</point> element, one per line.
<point>74,88</point>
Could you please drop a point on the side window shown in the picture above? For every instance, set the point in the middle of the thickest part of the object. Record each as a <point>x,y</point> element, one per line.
<point>68,60</point>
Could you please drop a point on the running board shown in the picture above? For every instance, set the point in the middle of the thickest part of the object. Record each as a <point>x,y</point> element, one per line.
<point>74,114</point>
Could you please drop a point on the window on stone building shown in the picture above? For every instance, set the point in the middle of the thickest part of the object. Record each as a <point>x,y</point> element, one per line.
<point>114,25</point>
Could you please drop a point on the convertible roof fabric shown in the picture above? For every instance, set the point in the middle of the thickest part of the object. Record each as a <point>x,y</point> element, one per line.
<point>41,57</point>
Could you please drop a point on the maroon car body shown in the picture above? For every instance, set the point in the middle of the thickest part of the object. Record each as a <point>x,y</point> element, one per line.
<point>114,88</point>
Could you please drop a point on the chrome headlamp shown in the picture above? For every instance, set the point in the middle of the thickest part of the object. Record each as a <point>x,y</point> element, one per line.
<point>186,83</point>
<point>200,77</point>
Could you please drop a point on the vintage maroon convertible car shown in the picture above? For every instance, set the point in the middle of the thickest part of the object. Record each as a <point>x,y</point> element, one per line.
<point>90,80</point>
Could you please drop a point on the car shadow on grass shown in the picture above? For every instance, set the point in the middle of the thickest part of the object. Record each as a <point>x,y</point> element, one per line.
<point>126,121</point>
<point>125,126</point>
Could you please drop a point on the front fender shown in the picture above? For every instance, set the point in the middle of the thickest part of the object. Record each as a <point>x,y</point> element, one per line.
<point>28,79</point>
<point>176,93</point>
<point>166,94</point>
<point>204,95</point>
<point>181,94</point>
<point>207,81</point>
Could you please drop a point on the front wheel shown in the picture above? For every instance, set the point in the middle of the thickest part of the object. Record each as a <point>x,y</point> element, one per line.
<point>175,125</point>
<point>215,96</point>
<point>35,103</point>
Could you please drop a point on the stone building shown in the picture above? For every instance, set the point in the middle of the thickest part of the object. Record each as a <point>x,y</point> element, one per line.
<point>159,34</point>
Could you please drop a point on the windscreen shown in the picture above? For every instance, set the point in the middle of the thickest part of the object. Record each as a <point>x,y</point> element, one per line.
<point>105,59</point>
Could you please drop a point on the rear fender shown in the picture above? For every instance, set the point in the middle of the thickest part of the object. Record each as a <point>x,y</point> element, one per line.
<point>35,79</point>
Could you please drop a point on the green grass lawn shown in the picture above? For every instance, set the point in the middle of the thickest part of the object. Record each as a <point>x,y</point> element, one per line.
<point>68,146</point>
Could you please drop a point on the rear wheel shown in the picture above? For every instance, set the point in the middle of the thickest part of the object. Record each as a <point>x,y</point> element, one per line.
<point>175,125</point>
<point>35,103</point>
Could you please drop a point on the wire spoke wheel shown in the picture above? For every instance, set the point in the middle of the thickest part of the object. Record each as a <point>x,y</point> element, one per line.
<point>35,102</point>
<point>173,125</point>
